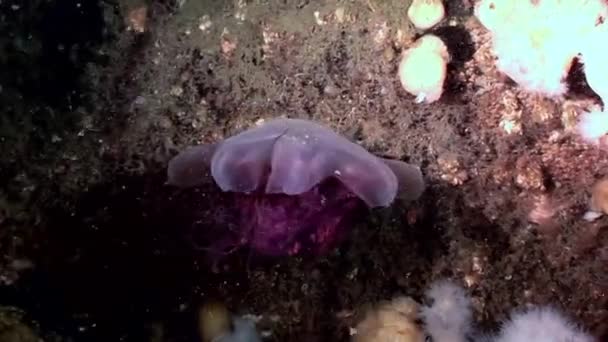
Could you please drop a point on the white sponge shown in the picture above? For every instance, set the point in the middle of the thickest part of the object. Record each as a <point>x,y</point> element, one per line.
<point>532,45</point>
<point>593,125</point>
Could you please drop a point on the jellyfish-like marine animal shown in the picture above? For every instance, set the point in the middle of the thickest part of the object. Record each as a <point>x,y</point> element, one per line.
<point>296,184</point>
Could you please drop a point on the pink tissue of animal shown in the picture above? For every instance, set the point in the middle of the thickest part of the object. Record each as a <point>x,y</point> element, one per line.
<point>296,185</point>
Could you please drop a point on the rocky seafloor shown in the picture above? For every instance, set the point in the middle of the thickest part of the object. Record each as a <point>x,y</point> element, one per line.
<point>97,97</point>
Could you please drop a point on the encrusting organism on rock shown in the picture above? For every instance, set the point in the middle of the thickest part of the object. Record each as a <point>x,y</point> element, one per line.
<point>598,204</point>
<point>425,14</point>
<point>594,124</point>
<point>423,68</point>
<point>535,42</point>
<point>391,321</point>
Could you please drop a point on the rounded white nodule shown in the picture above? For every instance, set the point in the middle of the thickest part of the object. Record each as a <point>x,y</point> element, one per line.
<point>423,68</point>
<point>425,14</point>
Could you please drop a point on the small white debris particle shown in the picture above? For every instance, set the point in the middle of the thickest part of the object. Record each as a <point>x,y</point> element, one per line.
<point>318,18</point>
<point>420,98</point>
<point>591,216</point>
<point>510,126</point>
<point>205,23</point>
<point>176,91</point>
<point>339,14</point>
